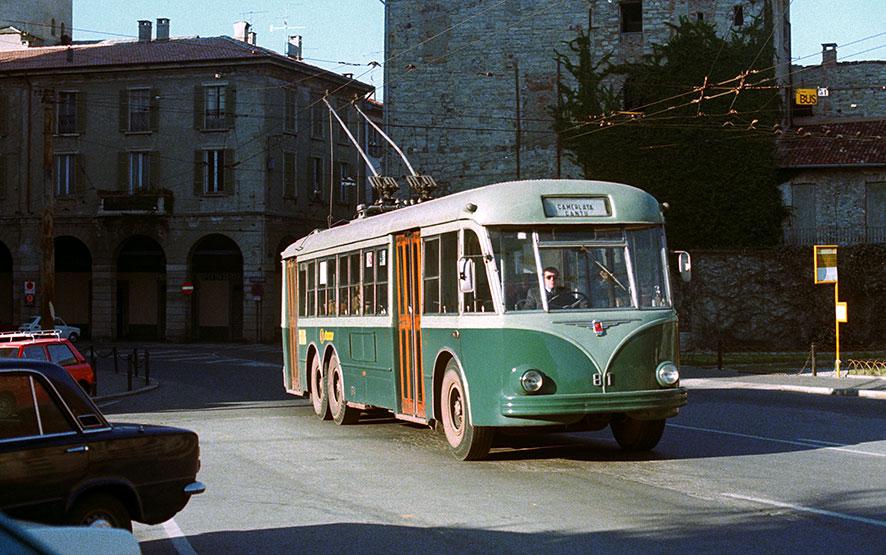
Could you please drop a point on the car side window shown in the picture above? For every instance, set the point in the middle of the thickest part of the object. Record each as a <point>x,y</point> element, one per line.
<point>27,409</point>
<point>35,352</point>
<point>61,354</point>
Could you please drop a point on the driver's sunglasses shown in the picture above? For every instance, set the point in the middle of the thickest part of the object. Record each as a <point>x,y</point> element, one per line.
<point>550,276</point>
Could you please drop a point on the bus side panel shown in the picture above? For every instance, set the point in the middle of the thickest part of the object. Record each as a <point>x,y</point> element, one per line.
<point>366,355</point>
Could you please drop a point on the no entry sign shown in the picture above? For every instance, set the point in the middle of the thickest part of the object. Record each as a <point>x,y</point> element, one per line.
<point>187,288</point>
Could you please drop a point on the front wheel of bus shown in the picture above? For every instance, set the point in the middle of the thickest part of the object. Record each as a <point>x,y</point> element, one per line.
<point>637,435</point>
<point>338,405</point>
<point>318,390</point>
<point>466,441</point>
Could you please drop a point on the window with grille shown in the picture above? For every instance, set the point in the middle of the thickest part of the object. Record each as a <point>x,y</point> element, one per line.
<point>67,112</point>
<point>140,110</point>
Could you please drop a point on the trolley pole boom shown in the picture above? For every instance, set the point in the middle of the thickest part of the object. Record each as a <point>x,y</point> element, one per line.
<point>350,136</point>
<point>388,139</point>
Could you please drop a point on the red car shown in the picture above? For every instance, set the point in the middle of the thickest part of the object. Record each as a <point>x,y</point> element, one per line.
<point>48,345</point>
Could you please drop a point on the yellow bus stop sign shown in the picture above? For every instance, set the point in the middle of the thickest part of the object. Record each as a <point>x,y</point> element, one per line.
<point>825,260</point>
<point>806,97</point>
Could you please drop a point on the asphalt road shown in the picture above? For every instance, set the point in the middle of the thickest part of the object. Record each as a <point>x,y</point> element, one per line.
<point>737,471</point>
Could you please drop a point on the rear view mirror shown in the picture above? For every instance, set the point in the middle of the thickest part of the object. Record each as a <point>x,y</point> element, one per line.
<point>466,274</point>
<point>684,265</point>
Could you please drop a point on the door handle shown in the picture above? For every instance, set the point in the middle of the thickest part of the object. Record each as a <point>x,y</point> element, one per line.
<point>80,449</point>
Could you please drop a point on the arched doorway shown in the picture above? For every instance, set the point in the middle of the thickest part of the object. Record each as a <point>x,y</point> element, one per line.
<point>6,290</point>
<point>217,303</point>
<point>141,289</point>
<point>73,283</point>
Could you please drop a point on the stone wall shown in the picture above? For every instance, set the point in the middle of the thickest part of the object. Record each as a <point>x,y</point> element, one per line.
<point>767,300</point>
<point>451,86</point>
<point>856,89</point>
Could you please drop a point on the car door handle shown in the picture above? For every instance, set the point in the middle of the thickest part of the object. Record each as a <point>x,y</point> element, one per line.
<point>80,449</point>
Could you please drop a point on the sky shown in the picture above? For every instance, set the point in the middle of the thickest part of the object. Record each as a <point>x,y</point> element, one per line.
<point>352,31</point>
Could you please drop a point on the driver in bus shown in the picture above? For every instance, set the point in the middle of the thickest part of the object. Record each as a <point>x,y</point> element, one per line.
<point>556,294</point>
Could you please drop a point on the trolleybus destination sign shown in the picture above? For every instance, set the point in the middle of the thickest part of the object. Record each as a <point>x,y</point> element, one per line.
<point>570,207</point>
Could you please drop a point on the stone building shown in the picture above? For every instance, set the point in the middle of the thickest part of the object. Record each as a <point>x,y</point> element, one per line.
<point>470,86</point>
<point>164,162</point>
<point>833,156</point>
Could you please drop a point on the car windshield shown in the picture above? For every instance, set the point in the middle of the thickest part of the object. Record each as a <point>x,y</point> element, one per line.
<point>582,268</point>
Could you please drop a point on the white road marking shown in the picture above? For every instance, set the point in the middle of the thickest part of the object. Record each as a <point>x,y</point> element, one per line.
<point>801,508</point>
<point>177,537</point>
<point>797,442</point>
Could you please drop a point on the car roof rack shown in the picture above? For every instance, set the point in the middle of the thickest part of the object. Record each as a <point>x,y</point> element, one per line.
<point>10,336</point>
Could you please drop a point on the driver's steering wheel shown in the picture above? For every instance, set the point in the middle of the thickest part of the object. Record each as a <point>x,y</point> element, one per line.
<point>569,299</point>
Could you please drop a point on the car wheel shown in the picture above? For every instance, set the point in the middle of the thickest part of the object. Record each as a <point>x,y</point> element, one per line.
<point>466,441</point>
<point>73,338</point>
<point>102,511</point>
<point>318,390</point>
<point>637,435</point>
<point>335,391</point>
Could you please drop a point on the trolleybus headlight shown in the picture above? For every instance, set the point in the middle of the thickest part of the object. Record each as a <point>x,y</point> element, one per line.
<point>532,380</point>
<point>667,374</point>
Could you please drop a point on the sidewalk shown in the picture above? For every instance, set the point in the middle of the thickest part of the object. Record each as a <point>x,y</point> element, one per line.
<point>113,386</point>
<point>870,387</point>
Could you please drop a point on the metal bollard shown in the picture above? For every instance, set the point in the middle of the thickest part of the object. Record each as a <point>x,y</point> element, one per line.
<point>128,372</point>
<point>814,370</point>
<point>114,354</point>
<point>147,368</point>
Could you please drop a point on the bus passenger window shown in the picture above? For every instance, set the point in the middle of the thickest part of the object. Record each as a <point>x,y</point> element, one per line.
<point>302,289</point>
<point>311,303</point>
<point>368,282</point>
<point>448,278</point>
<point>343,282</point>
<point>326,287</point>
<point>381,281</point>
<point>354,294</point>
<point>431,304</point>
<point>480,300</point>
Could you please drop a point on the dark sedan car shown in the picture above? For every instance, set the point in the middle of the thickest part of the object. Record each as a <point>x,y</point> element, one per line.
<point>62,462</point>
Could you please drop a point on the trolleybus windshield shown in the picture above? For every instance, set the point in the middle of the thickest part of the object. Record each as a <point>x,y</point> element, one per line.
<point>596,267</point>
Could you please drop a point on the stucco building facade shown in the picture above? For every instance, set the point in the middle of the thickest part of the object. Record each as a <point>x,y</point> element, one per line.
<point>171,161</point>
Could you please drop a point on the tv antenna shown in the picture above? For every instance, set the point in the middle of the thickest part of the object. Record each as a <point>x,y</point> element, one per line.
<point>285,27</point>
<point>247,16</point>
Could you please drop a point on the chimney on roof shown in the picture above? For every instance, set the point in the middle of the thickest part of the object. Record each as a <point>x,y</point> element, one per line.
<point>828,53</point>
<point>241,31</point>
<point>162,28</point>
<point>251,37</point>
<point>293,47</point>
<point>144,30</point>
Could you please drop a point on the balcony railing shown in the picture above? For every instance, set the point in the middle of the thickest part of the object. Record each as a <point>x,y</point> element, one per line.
<point>152,203</point>
<point>833,235</point>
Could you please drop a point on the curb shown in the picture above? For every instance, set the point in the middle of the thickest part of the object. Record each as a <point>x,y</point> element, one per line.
<point>840,391</point>
<point>112,396</point>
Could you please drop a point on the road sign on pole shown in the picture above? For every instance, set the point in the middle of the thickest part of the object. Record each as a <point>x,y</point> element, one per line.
<point>825,263</point>
<point>187,288</point>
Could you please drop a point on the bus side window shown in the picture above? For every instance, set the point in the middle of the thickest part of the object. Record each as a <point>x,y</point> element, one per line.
<point>480,300</point>
<point>381,280</point>
<point>354,294</point>
<point>302,289</point>
<point>369,282</point>
<point>311,303</point>
<point>431,273</point>
<point>448,278</point>
<point>343,282</point>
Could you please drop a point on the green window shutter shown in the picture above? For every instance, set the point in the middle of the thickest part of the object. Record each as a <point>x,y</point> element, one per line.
<point>3,176</point>
<point>289,114</point>
<point>155,110</point>
<point>4,113</point>
<point>289,175</point>
<point>198,107</point>
<point>155,169</point>
<point>229,165</point>
<point>124,111</point>
<point>123,171</point>
<point>199,170</point>
<point>230,107</point>
<point>81,112</point>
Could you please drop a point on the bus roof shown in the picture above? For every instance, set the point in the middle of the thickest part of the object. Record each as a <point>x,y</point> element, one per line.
<point>508,203</point>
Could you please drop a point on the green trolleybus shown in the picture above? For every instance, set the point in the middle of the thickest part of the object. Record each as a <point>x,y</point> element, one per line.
<point>439,312</point>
